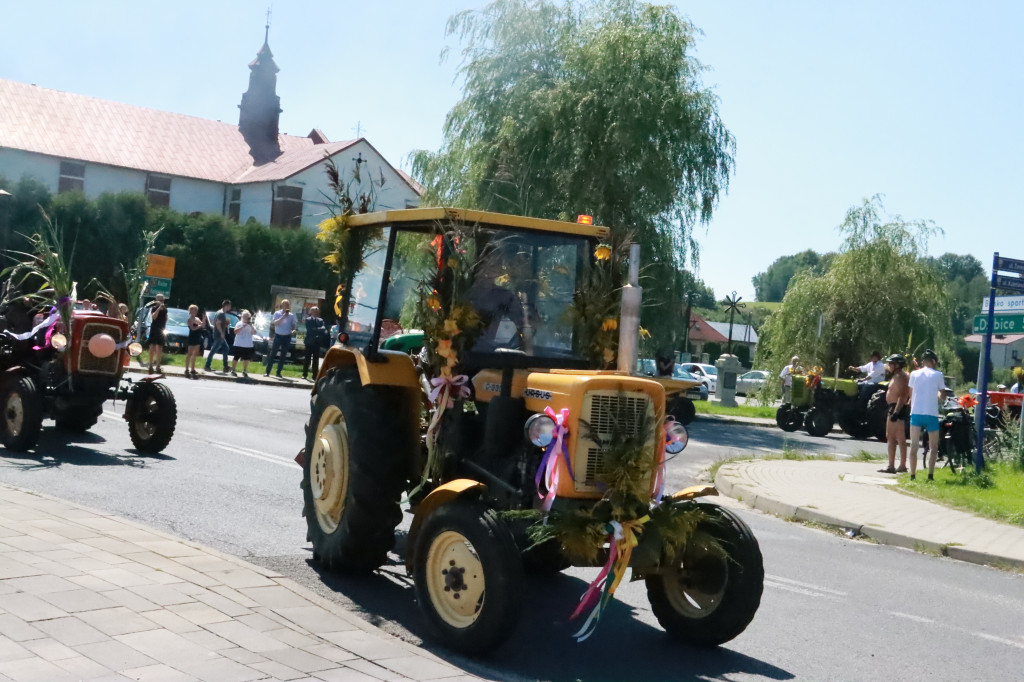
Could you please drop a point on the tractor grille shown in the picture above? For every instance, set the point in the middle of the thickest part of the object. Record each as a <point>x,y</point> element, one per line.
<point>89,363</point>
<point>606,412</point>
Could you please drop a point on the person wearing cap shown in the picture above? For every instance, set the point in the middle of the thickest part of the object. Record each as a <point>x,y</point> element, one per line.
<point>786,375</point>
<point>897,397</point>
<point>926,387</point>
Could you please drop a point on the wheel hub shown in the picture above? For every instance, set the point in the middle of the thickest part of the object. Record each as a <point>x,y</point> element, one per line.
<point>455,579</point>
<point>328,472</point>
<point>697,586</point>
<point>14,414</point>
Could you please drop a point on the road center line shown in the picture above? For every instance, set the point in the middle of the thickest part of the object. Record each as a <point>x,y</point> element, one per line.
<point>909,616</point>
<point>999,640</point>
<point>265,458</point>
<point>794,589</point>
<point>809,586</point>
<point>241,450</point>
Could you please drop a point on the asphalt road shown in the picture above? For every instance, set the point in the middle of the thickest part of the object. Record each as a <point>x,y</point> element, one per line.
<point>833,608</point>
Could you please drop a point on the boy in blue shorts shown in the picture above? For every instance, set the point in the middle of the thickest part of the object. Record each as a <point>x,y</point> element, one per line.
<point>926,385</point>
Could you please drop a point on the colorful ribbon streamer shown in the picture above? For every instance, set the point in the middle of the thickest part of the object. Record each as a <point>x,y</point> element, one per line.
<point>548,469</point>
<point>48,322</point>
<point>451,387</point>
<point>622,538</point>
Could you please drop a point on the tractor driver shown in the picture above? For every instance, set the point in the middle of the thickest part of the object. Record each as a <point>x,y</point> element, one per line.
<point>873,371</point>
<point>499,307</point>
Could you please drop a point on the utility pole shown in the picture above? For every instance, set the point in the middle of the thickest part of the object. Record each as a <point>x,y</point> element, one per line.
<point>686,329</point>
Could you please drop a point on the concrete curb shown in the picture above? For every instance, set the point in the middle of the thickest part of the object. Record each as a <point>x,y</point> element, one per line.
<point>749,421</point>
<point>253,380</point>
<point>790,512</point>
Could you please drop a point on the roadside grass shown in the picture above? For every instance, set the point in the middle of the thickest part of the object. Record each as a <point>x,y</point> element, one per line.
<point>290,371</point>
<point>865,456</point>
<point>709,407</point>
<point>1002,500</point>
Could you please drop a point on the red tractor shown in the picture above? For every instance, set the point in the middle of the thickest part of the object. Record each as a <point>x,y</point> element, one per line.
<point>45,373</point>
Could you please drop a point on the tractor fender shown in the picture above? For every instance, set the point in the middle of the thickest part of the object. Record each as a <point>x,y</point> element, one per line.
<point>694,491</point>
<point>389,368</point>
<point>441,495</point>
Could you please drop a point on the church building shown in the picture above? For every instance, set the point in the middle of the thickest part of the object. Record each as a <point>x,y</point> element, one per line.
<point>72,142</point>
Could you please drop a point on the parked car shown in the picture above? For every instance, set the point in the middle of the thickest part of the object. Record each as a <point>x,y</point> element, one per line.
<point>751,382</point>
<point>175,332</point>
<point>698,392</point>
<point>708,374</point>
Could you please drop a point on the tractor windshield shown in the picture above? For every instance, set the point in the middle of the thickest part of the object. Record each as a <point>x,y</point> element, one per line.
<point>523,288</point>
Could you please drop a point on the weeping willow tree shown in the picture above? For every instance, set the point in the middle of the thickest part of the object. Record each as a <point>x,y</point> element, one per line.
<point>593,108</point>
<point>880,293</point>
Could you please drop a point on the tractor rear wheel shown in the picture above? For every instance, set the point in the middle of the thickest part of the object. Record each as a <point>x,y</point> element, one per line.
<point>468,574</point>
<point>710,592</point>
<point>152,416</point>
<point>682,409</point>
<point>359,443</point>
<point>22,411</point>
<point>877,415</point>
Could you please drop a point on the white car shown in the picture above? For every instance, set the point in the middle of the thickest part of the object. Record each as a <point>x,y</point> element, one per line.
<point>708,374</point>
<point>751,382</point>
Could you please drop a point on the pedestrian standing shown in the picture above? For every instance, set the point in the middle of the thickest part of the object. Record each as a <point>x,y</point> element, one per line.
<point>926,387</point>
<point>155,341</point>
<point>196,325</point>
<point>316,338</point>
<point>243,345</point>
<point>897,397</point>
<point>283,324</point>
<point>786,375</point>
<point>220,336</point>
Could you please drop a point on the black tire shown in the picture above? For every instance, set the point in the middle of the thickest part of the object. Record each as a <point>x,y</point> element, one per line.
<point>787,418</point>
<point>878,415</point>
<point>468,536</point>
<point>152,416</point>
<point>855,425</point>
<point>78,419</point>
<point>818,422</point>
<point>713,600</point>
<point>359,444</point>
<point>682,409</point>
<point>22,414</point>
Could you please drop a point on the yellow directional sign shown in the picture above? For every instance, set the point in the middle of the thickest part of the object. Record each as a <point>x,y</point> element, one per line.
<point>160,266</point>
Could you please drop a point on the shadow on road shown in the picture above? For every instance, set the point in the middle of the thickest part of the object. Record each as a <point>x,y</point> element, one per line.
<point>57,448</point>
<point>542,647</point>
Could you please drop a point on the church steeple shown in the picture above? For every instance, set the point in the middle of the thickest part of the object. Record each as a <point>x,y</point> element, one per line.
<point>260,110</point>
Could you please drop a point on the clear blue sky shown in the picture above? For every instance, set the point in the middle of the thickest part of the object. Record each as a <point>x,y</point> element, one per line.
<point>829,102</point>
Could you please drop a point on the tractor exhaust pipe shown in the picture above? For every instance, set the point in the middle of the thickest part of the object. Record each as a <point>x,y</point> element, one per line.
<point>629,317</point>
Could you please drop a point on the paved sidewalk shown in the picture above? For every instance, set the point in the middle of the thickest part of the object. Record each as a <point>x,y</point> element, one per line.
<point>855,496</point>
<point>89,596</point>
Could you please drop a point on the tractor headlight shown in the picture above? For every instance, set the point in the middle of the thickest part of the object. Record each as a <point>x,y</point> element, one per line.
<point>59,341</point>
<point>675,438</point>
<point>134,349</point>
<point>540,429</point>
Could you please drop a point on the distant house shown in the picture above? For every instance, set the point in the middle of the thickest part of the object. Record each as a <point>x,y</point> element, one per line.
<point>250,170</point>
<point>742,335</point>
<point>1007,349</point>
<point>702,333</point>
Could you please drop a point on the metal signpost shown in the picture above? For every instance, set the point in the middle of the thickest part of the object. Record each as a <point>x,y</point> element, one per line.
<point>1014,282</point>
<point>159,273</point>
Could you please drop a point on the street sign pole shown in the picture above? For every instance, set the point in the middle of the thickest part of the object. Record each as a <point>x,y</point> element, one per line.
<point>979,413</point>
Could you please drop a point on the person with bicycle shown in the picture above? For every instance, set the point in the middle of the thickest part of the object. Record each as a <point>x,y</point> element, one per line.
<point>897,397</point>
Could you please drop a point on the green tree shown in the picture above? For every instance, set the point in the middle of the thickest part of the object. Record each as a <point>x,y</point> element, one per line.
<point>879,293</point>
<point>771,284</point>
<point>591,108</point>
<point>23,213</point>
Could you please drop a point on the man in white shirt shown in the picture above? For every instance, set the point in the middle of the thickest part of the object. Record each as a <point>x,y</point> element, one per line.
<point>926,386</point>
<point>786,375</point>
<point>873,371</point>
<point>284,324</point>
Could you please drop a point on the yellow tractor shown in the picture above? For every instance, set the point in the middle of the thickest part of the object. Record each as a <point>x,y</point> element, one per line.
<point>462,441</point>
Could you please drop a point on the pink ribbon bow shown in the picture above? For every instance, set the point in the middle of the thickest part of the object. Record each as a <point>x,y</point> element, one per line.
<point>548,469</point>
<point>449,387</point>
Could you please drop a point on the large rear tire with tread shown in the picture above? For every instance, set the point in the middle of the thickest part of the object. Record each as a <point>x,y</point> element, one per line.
<point>22,413</point>
<point>152,415</point>
<point>878,415</point>
<point>468,574</point>
<point>709,594</point>
<point>682,409</point>
<point>359,442</point>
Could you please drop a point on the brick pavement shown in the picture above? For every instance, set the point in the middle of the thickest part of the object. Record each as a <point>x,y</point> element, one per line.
<point>89,596</point>
<point>854,495</point>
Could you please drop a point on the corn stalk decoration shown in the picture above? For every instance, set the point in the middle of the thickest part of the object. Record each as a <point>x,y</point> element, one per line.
<point>48,269</point>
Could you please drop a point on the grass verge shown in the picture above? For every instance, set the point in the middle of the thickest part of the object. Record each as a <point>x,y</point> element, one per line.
<point>1000,501</point>
<point>709,407</point>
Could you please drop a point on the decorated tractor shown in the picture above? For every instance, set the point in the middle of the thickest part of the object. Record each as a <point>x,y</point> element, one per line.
<point>819,402</point>
<point>48,371</point>
<point>510,449</point>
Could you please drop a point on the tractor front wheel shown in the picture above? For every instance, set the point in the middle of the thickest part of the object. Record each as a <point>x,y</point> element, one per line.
<point>22,408</point>
<point>788,418</point>
<point>818,422</point>
<point>710,592</point>
<point>468,576</point>
<point>152,415</point>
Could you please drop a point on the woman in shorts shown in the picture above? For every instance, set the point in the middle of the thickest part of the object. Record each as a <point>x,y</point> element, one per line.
<point>243,345</point>
<point>195,341</point>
